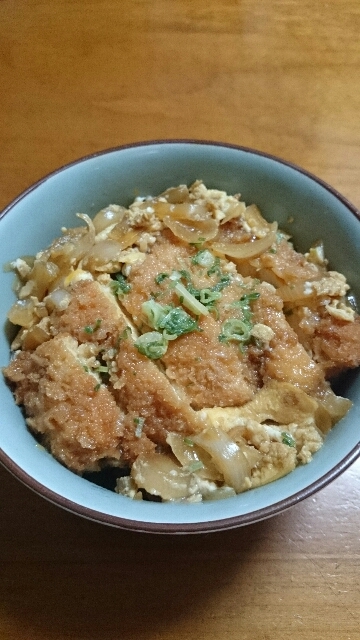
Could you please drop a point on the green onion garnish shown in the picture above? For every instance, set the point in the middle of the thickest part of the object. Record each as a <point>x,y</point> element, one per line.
<point>139,424</point>
<point>204,258</point>
<point>215,268</point>
<point>120,285</point>
<point>286,438</point>
<point>89,329</point>
<point>189,301</point>
<point>161,277</point>
<point>177,322</point>
<point>153,345</point>
<point>154,312</point>
<point>236,330</point>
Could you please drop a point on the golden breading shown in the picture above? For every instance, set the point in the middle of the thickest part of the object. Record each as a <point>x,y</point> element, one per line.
<point>146,393</point>
<point>286,360</point>
<point>79,418</point>
<point>283,265</point>
<point>164,257</point>
<point>336,345</point>
<point>93,314</point>
<point>210,373</point>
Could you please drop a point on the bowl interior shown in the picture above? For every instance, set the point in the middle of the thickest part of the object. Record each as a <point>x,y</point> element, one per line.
<point>303,206</point>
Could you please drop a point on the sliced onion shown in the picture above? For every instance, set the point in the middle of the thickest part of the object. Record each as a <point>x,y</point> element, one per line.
<point>253,217</point>
<point>108,216</point>
<point>194,231</point>
<point>69,248</point>
<point>22,313</point>
<point>246,250</point>
<point>227,457</point>
<point>176,195</point>
<point>102,253</point>
<point>295,292</point>
<point>86,241</point>
<point>159,475</point>
<point>234,211</point>
<point>42,274</point>
<point>181,211</point>
<point>252,455</point>
<point>185,450</point>
<point>126,239</point>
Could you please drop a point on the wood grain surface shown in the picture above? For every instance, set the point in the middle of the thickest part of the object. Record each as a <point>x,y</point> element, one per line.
<point>79,76</point>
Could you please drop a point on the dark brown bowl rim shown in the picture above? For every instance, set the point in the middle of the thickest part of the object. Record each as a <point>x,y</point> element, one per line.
<point>180,528</point>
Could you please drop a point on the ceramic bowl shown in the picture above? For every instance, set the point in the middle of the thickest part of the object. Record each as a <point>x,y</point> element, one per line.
<point>117,175</point>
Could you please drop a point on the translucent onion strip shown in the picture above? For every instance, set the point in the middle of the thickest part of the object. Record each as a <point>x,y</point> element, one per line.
<point>192,231</point>
<point>113,214</point>
<point>246,250</point>
<point>296,292</point>
<point>182,211</point>
<point>234,211</point>
<point>185,450</point>
<point>159,475</point>
<point>227,457</point>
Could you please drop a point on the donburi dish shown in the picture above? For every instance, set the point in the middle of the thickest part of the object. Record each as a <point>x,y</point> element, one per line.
<point>182,343</point>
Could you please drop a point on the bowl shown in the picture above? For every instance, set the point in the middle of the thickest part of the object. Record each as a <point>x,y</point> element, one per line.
<point>117,175</point>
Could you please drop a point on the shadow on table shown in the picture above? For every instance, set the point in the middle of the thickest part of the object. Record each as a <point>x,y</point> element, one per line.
<point>65,577</point>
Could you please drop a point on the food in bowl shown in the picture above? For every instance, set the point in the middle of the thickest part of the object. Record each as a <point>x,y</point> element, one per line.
<point>183,341</point>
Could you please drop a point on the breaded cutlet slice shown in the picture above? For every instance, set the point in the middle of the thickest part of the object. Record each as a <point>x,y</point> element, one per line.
<point>92,315</point>
<point>286,360</point>
<point>152,405</point>
<point>207,372</point>
<point>336,344</point>
<point>77,416</point>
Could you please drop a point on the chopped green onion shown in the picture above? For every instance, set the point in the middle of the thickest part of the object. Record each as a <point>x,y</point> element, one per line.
<point>161,277</point>
<point>180,275</point>
<point>208,296</point>
<point>96,326</point>
<point>204,258</point>
<point>120,285</point>
<point>122,336</point>
<point>287,438</point>
<point>224,281</point>
<point>154,312</point>
<point>102,369</point>
<point>153,345</point>
<point>188,441</point>
<point>97,387</point>
<point>177,322</point>
<point>185,275</point>
<point>215,268</point>
<point>244,304</point>
<point>236,330</point>
<point>139,422</point>
<point>189,301</point>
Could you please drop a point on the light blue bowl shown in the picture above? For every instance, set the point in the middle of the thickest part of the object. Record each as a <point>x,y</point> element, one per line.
<point>116,176</point>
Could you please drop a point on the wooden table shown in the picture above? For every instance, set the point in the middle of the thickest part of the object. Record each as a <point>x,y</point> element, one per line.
<point>282,76</point>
